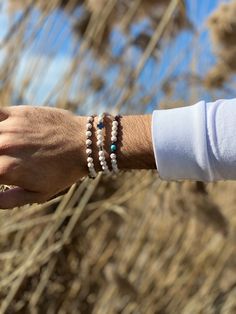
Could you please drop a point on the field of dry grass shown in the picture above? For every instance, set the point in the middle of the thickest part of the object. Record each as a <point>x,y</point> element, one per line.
<point>137,244</point>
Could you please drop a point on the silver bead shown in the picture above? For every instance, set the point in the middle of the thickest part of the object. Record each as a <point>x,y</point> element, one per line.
<point>88,142</point>
<point>88,151</point>
<point>114,138</point>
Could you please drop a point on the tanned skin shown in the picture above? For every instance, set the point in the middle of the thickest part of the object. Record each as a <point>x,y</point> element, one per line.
<point>43,152</point>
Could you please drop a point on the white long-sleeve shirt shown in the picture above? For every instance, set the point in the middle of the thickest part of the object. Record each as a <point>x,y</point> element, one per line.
<point>196,142</point>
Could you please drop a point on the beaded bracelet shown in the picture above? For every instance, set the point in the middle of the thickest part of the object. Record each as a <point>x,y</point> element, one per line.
<point>113,147</point>
<point>100,141</point>
<point>89,126</point>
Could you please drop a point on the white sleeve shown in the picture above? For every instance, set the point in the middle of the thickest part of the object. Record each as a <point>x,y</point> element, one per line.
<point>196,142</point>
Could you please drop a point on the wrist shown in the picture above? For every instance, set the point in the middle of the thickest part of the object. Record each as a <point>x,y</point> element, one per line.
<point>80,145</point>
<point>134,144</point>
<point>135,150</point>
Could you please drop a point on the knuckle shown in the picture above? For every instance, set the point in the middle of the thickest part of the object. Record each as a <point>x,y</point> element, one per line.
<point>20,111</point>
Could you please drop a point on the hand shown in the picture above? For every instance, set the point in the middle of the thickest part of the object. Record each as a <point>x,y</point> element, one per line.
<point>42,152</point>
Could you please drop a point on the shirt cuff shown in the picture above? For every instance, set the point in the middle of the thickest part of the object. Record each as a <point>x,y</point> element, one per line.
<point>180,143</point>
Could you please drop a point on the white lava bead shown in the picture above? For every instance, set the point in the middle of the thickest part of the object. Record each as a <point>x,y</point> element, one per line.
<point>99,142</point>
<point>115,123</point>
<point>100,137</point>
<point>114,128</point>
<point>101,153</point>
<point>100,119</point>
<point>101,158</point>
<point>88,133</point>
<point>114,138</point>
<point>105,167</point>
<point>114,161</point>
<point>113,156</point>
<point>89,159</point>
<point>90,119</point>
<point>90,164</point>
<point>88,151</point>
<point>113,133</point>
<point>88,142</point>
<point>89,126</point>
<point>99,132</point>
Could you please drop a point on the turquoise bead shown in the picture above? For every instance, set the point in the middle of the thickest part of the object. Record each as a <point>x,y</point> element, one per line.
<point>113,147</point>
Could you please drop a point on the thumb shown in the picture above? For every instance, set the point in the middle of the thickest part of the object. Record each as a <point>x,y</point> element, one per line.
<point>17,197</point>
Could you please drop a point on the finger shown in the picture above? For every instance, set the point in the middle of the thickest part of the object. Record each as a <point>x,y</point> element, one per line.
<point>17,197</point>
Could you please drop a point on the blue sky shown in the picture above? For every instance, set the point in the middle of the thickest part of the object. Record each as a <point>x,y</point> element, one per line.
<point>59,51</point>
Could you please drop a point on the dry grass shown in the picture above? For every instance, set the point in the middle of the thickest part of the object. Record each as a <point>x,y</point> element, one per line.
<point>106,252</point>
<point>222,25</point>
<point>134,245</point>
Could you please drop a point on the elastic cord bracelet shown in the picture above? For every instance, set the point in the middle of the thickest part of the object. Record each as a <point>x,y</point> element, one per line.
<point>113,148</point>
<point>89,126</point>
<point>100,142</point>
